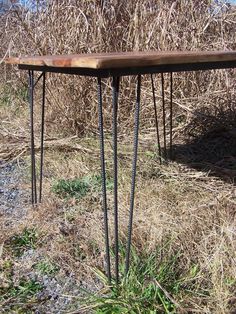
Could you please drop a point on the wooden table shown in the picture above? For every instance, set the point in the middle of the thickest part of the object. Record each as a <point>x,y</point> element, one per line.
<point>115,65</point>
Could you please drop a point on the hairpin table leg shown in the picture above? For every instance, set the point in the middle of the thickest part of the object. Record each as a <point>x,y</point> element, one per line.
<point>33,168</point>
<point>156,119</point>
<point>103,172</point>
<point>32,85</point>
<point>41,140</point>
<point>163,113</point>
<point>171,115</point>
<point>115,93</point>
<point>136,129</point>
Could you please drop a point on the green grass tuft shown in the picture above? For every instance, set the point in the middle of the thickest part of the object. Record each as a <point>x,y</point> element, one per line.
<point>22,242</point>
<point>71,188</point>
<point>46,267</point>
<point>23,291</point>
<point>153,285</point>
<point>79,187</point>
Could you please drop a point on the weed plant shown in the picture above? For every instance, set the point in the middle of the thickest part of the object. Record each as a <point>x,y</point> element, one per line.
<point>79,187</point>
<point>154,284</point>
<point>20,243</point>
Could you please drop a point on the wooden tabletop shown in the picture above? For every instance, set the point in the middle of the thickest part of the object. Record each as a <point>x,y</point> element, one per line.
<point>117,60</point>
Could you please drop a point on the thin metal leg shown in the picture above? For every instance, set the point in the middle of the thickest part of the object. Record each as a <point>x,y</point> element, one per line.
<point>103,172</point>
<point>41,142</point>
<point>163,112</point>
<point>115,93</point>
<point>33,169</point>
<point>136,129</point>
<point>156,120</point>
<point>171,115</point>
<point>38,79</point>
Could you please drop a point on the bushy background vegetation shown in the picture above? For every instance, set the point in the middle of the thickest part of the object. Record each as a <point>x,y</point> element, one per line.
<point>62,27</point>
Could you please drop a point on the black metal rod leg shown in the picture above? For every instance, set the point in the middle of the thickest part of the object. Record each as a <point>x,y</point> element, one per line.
<point>33,169</point>
<point>41,140</point>
<point>171,115</point>
<point>163,113</point>
<point>131,212</point>
<point>156,119</point>
<point>103,172</point>
<point>115,93</point>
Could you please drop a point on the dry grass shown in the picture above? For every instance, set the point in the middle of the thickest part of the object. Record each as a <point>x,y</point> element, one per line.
<point>189,202</point>
<point>94,26</point>
<point>194,212</point>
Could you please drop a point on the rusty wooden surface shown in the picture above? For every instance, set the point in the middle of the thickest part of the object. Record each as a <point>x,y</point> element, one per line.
<point>124,59</point>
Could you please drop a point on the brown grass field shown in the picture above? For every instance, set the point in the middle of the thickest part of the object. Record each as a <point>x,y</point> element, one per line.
<point>185,209</point>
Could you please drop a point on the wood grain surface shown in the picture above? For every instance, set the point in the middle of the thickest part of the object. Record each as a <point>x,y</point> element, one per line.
<point>125,59</point>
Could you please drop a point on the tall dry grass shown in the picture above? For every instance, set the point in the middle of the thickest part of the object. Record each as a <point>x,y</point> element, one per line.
<point>63,27</point>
